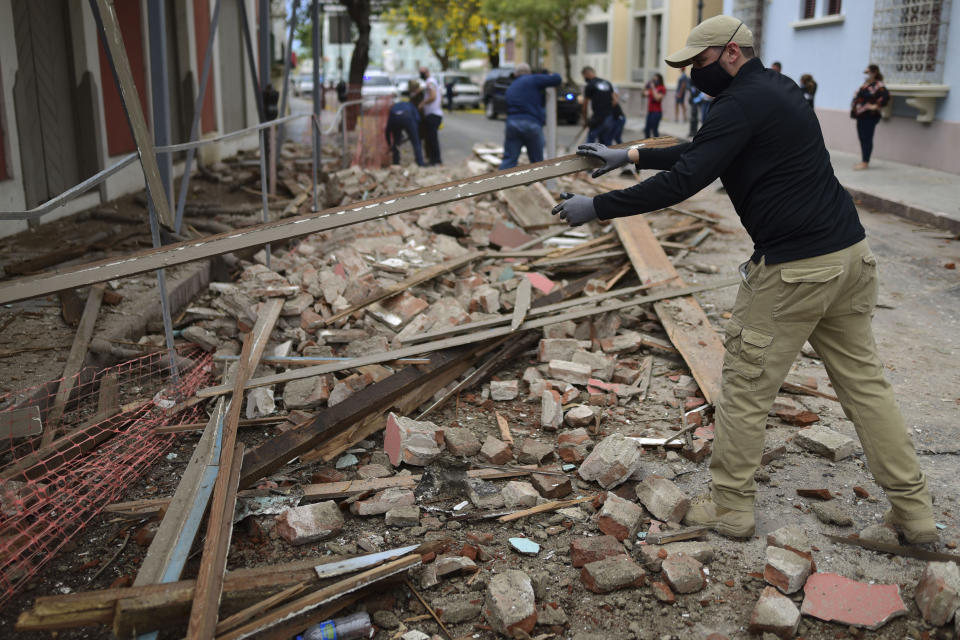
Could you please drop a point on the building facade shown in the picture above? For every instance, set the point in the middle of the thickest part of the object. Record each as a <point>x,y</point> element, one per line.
<point>916,43</point>
<point>61,117</point>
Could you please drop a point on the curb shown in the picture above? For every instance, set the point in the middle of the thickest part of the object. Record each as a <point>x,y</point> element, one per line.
<point>876,203</point>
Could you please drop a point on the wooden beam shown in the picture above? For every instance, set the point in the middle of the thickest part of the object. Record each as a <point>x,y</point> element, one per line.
<point>428,347</point>
<point>78,352</point>
<point>323,596</point>
<point>117,56</point>
<point>682,318</point>
<point>421,276</point>
<point>183,252</point>
<point>213,563</point>
<point>522,305</point>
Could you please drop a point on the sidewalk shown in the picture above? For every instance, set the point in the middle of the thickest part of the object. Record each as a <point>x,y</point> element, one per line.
<point>922,195</point>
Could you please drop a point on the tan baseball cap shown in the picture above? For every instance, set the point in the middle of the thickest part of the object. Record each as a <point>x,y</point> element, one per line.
<point>717,31</point>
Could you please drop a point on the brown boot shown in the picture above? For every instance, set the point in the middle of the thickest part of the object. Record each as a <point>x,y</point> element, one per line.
<point>727,522</point>
<point>921,531</point>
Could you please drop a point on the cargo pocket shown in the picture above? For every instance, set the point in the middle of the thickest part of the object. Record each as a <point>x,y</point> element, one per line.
<point>804,292</point>
<point>864,297</point>
<point>745,354</point>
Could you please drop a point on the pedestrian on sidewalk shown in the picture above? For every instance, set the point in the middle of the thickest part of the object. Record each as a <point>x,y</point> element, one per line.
<point>811,277</point>
<point>432,110</point>
<point>680,98</point>
<point>655,91</point>
<point>526,114</point>
<point>598,94</point>
<point>871,97</point>
<point>404,117</point>
<point>809,87</point>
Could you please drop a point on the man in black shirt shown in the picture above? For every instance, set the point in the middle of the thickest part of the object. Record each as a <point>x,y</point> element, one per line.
<point>599,94</point>
<point>811,275</point>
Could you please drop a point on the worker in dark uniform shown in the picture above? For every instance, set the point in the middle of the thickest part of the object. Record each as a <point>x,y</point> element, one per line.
<point>811,277</point>
<point>599,95</point>
<point>404,117</point>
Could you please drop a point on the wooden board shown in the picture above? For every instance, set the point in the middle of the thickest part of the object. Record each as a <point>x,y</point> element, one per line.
<point>213,564</point>
<point>255,236</point>
<point>78,352</point>
<point>682,318</point>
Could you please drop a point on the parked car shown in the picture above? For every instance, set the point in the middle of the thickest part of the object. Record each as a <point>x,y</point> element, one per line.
<point>402,83</point>
<point>466,93</point>
<point>495,103</point>
<point>303,84</point>
<point>377,84</point>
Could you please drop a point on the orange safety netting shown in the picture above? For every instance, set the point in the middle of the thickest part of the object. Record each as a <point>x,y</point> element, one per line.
<point>104,441</point>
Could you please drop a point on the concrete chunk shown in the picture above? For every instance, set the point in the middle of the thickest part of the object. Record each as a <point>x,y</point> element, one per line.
<point>619,518</point>
<point>412,442</point>
<point>938,592</point>
<point>663,499</point>
<point>579,416</point>
<point>406,516</point>
<point>306,393</point>
<point>461,442</point>
<point>786,570</point>
<point>611,462</point>
<point>825,442</point>
<point>503,390</point>
<point>496,451</point>
<point>534,452</point>
<point>510,604</point>
<point>653,555</point>
<point>586,550</point>
<point>775,613</point>
<point>551,409</point>
<point>601,366</point>
<point>310,522</point>
<point>519,494</point>
<point>573,446</point>
<point>569,371</point>
<point>610,574</point>
<point>483,494</point>
<point>550,486</point>
<point>383,501</point>
<point>557,349</point>
<point>683,573</point>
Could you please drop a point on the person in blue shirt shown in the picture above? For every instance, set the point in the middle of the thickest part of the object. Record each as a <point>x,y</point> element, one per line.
<point>526,114</point>
<point>404,117</point>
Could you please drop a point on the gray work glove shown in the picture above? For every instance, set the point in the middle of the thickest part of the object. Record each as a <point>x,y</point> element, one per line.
<point>575,210</point>
<point>612,158</point>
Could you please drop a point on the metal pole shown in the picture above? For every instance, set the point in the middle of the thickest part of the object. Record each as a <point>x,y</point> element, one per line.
<point>316,44</point>
<point>264,40</point>
<point>281,134</point>
<point>263,36</point>
<point>197,114</point>
<point>248,44</point>
<point>263,188</point>
<point>160,90</point>
<point>345,157</point>
<point>257,87</point>
<point>551,137</point>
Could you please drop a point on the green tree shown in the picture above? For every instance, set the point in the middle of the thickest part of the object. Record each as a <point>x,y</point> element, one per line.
<point>448,27</point>
<point>556,18</point>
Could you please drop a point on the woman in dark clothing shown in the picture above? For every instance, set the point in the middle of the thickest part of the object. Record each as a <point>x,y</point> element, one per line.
<point>809,88</point>
<point>870,98</point>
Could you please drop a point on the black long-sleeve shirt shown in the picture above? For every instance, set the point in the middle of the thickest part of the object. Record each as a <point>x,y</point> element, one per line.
<point>764,142</point>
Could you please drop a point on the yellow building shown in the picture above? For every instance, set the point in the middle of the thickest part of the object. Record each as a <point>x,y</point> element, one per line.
<point>626,44</point>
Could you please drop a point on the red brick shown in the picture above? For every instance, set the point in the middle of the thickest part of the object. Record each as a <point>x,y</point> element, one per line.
<point>586,550</point>
<point>833,598</point>
<point>662,592</point>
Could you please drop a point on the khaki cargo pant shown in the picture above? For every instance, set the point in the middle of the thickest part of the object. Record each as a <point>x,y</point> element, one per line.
<point>828,300</point>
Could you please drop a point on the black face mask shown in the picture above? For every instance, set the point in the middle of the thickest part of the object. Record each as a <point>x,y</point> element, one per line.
<point>711,79</point>
<point>423,76</point>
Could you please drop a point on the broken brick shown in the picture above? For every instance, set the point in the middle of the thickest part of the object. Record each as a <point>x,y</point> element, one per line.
<point>820,494</point>
<point>825,442</point>
<point>496,451</point>
<point>775,613</point>
<point>510,603</point>
<point>586,550</point>
<point>662,592</point>
<point>412,442</point>
<point>663,499</point>
<point>683,573</point>
<point>461,442</point>
<point>938,592</point>
<point>610,574</point>
<point>619,518</point>
<point>310,522</point>
<point>612,461</point>
<point>383,501</point>
<point>519,494</point>
<point>786,570</point>
<point>551,486</point>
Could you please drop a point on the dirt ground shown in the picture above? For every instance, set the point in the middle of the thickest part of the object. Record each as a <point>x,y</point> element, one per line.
<point>917,333</point>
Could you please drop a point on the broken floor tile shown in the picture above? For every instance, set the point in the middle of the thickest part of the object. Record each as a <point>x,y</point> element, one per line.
<point>834,598</point>
<point>524,546</point>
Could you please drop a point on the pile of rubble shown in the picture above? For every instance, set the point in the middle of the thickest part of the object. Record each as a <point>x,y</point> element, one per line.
<point>533,489</point>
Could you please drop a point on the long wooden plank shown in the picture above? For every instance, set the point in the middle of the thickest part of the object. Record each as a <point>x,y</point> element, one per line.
<point>255,236</point>
<point>213,563</point>
<point>428,347</point>
<point>421,276</point>
<point>682,318</point>
<point>323,596</point>
<point>168,552</point>
<point>78,352</point>
<point>116,50</point>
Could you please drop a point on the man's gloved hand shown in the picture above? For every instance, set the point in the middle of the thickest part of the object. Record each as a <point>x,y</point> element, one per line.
<point>575,210</point>
<point>612,158</point>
